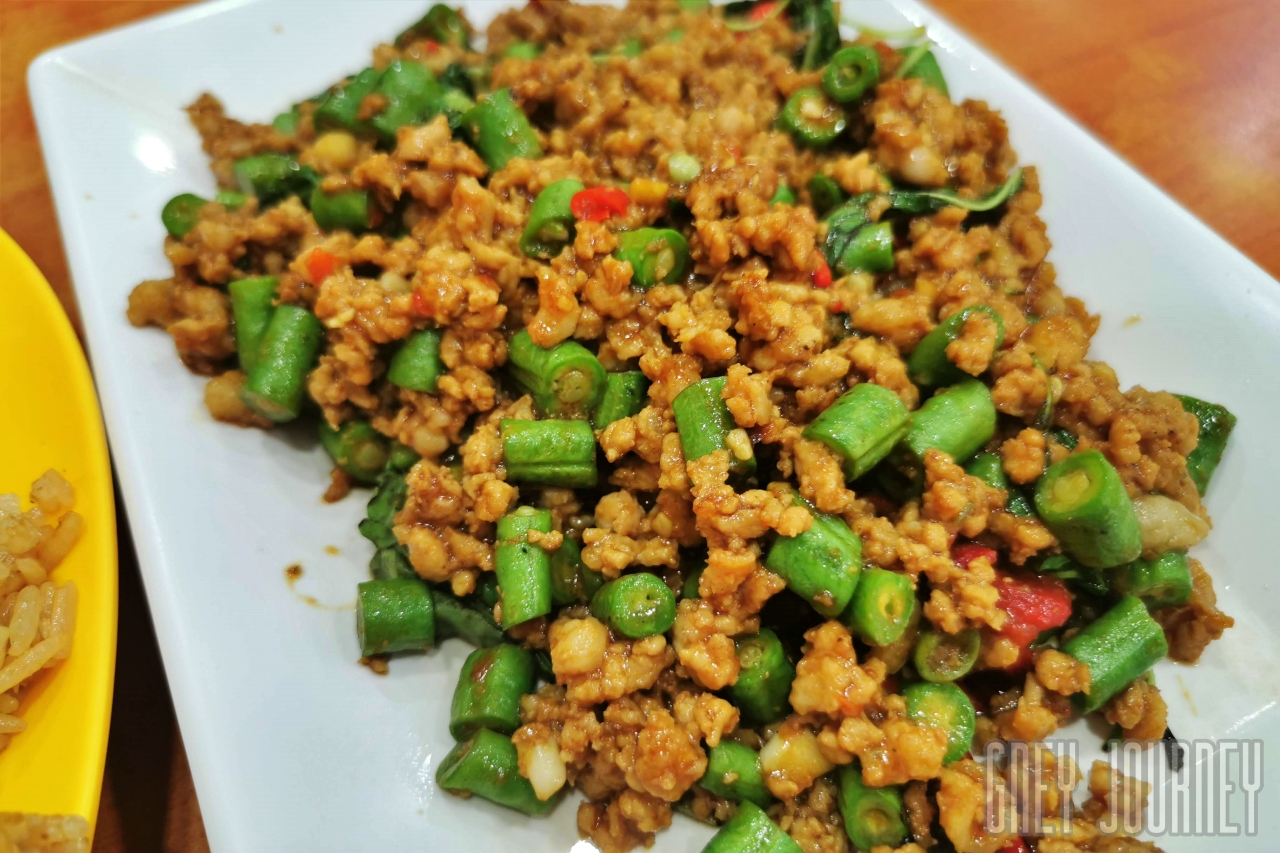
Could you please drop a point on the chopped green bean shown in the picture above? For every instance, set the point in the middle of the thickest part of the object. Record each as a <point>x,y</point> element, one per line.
<point>940,657</point>
<point>1083,501</point>
<point>488,766</point>
<point>500,131</point>
<point>624,395</point>
<point>929,363</point>
<point>551,220</point>
<point>1216,424</point>
<point>881,607</point>
<point>489,689</point>
<point>821,565</point>
<point>872,816</point>
<point>636,605</point>
<point>704,423</point>
<point>523,568</point>
<point>417,365</point>
<point>862,427</point>
<point>656,255</point>
<point>550,453</point>
<point>252,305</point>
<point>394,616</point>
<point>733,772</point>
<point>276,386</point>
<point>566,381</point>
<point>357,448</point>
<point>1118,648</point>
<point>763,688</point>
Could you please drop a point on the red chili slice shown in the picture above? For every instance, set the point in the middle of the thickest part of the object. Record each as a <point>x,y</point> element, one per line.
<point>1033,603</point>
<point>822,275</point>
<point>1017,845</point>
<point>966,552</point>
<point>320,265</point>
<point>761,11</point>
<point>598,204</point>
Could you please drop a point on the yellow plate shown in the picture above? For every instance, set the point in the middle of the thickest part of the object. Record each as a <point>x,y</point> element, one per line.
<point>49,418</point>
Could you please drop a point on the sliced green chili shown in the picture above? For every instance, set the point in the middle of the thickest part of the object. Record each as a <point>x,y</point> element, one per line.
<point>851,72</point>
<point>941,657</point>
<point>181,213</point>
<point>812,118</point>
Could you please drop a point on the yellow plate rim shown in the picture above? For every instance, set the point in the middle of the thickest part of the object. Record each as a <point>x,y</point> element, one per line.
<point>56,765</point>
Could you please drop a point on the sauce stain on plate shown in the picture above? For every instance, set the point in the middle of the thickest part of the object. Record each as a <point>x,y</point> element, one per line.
<point>293,573</point>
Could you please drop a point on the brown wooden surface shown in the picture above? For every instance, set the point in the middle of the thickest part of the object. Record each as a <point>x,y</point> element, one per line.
<point>1186,91</point>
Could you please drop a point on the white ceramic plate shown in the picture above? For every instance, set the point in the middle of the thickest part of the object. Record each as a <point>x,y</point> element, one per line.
<point>293,746</point>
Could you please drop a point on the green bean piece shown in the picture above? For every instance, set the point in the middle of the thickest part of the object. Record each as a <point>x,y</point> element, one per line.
<point>401,457</point>
<point>392,564</point>
<point>941,657</point>
<point>500,131</point>
<point>572,582</point>
<point>694,5</point>
<point>989,468</point>
<point>872,816</point>
<point>394,616</point>
<point>851,72</point>
<point>252,304</point>
<point>656,255</point>
<point>733,772</point>
<point>704,423</point>
<point>1119,648</point>
<point>550,453</point>
<point>862,427</point>
<point>566,381</point>
<point>631,48</point>
<point>230,199</point>
<point>287,122</point>
<point>825,194</point>
<point>487,766</point>
<point>929,365</point>
<point>624,395</point>
<point>683,168</point>
<point>277,385</point>
<point>523,50</point>
<point>454,618</point>
<point>417,365</point>
<point>922,202</point>
<point>1216,424</point>
<point>412,95</point>
<point>551,220</point>
<point>636,606</point>
<point>946,707</point>
<point>812,118</point>
<point>273,176</point>
<point>523,568</point>
<point>920,63</point>
<point>349,210</point>
<point>881,606</point>
<point>181,213</point>
<point>489,690</point>
<point>357,448</point>
<point>763,689</point>
<point>783,195</point>
<point>870,250</point>
<point>441,24</point>
<point>957,421</point>
<point>821,565</point>
<point>1161,582</point>
<point>454,104</point>
<point>751,831</point>
<point>692,581</point>
<point>1083,501</point>
<point>340,110</point>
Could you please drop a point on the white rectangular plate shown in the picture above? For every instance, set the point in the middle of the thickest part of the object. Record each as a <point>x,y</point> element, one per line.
<point>295,747</point>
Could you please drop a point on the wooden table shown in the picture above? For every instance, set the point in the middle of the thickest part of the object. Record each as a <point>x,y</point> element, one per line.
<point>1185,91</point>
